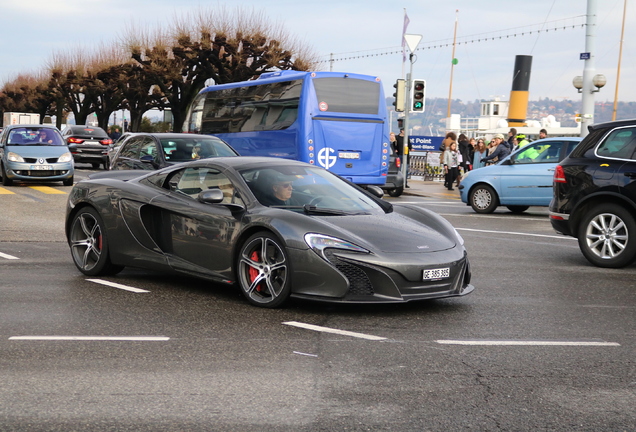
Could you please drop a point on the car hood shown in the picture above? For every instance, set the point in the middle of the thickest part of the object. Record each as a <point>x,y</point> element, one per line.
<point>405,230</point>
<point>38,151</point>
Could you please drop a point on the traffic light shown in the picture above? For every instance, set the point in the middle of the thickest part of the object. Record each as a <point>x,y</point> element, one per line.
<point>400,88</point>
<point>418,92</point>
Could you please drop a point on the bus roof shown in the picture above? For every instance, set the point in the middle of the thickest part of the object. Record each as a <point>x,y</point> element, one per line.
<point>287,75</point>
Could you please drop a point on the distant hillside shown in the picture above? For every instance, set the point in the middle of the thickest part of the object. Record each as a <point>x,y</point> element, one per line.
<point>432,120</point>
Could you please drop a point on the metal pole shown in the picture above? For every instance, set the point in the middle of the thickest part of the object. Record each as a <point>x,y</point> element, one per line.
<point>587,99</point>
<point>407,109</point>
<point>450,87</point>
<point>620,55</point>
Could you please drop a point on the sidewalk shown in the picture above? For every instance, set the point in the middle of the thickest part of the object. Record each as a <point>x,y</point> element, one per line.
<point>429,188</point>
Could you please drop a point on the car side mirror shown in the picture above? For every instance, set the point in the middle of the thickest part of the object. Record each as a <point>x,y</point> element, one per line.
<point>375,190</point>
<point>508,162</point>
<point>215,196</point>
<point>147,159</point>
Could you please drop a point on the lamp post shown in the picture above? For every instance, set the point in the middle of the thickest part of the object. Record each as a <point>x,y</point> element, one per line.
<point>412,40</point>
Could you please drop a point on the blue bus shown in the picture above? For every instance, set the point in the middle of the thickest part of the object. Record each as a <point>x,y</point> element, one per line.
<point>331,119</point>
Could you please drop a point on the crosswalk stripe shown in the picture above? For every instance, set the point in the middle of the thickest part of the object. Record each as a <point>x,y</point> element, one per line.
<point>48,190</point>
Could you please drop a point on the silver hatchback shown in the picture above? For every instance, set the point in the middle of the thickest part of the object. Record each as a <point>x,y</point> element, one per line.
<point>34,153</point>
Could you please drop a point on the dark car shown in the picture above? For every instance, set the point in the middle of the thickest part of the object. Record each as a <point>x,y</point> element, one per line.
<point>151,151</point>
<point>34,153</point>
<point>88,144</point>
<point>594,194</point>
<point>320,237</point>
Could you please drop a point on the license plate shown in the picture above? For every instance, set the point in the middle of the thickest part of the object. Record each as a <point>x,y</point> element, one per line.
<point>41,168</point>
<point>349,155</point>
<point>434,274</point>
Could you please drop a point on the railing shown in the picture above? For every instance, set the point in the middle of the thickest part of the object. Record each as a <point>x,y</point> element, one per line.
<point>426,165</point>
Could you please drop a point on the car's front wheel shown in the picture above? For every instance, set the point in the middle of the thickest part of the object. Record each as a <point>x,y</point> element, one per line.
<point>607,236</point>
<point>89,244</point>
<point>483,199</point>
<point>263,270</point>
<point>517,208</point>
<point>6,181</point>
<point>396,192</point>
<point>68,182</point>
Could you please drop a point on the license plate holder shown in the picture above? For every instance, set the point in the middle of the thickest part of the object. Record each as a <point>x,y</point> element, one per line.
<point>436,274</point>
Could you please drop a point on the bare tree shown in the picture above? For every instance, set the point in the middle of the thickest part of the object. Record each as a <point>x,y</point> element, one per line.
<point>212,44</point>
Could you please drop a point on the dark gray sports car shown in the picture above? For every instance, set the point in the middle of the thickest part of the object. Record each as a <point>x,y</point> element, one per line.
<point>277,228</point>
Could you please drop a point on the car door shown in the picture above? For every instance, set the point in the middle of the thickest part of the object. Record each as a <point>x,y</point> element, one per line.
<point>527,180</point>
<point>148,158</point>
<point>128,155</point>
<point>201,236</point>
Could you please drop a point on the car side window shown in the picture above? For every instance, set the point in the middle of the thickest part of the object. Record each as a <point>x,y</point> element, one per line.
<point>540,152</point>
<point>148,147</point>
<point>620,144</point>
<point>130,148</point>
<point>192,181</point>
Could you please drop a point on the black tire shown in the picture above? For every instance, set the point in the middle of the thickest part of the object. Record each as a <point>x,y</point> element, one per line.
<point>517,208</point>
<point>483,199</point>
<point>6,181</point>
<point>263,271</point>
<point>95,165</point>
<point>68,182</point>
<point>607,236</point>
<point>396,192</point>
<point>89,244</point>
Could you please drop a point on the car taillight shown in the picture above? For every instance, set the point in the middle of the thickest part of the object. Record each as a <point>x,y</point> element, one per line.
<point>107,141</point>
<point>72,140</point>
<point>559,175</point>
<point>398,162</point>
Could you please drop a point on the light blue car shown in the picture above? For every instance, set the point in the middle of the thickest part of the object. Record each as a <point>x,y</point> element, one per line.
<point>521,180</point>
<point>34,153</point>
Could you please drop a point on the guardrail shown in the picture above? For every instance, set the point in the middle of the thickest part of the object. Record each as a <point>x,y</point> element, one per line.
<point>426,165</point>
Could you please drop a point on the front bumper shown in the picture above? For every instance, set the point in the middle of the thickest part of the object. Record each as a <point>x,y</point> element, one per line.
<point>25,171</point>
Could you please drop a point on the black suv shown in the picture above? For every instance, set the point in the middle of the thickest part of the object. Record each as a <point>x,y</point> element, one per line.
<point>88,144</point>
<point>594,196</point>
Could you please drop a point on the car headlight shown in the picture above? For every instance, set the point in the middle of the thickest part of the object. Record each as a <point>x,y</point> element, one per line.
<point>320,242</point>
<point>66,157</point>
<point>14,157</point>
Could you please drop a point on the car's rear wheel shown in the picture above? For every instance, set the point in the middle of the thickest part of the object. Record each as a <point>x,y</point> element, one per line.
<point>6,181</point>
<point>396,192</point>
<point>263,270</point>
<point>607,236</point>
<point>483,199</point>
<point>89,244</point>
<point>517,208</point>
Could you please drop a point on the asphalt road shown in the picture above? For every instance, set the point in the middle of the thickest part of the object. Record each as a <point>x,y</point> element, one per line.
<point>545,342</point>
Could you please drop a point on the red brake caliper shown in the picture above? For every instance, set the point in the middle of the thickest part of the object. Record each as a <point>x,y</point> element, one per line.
<point>254,272</point>
<point>99,242</point>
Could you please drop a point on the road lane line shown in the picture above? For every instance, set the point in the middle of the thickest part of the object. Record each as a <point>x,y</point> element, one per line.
<point>5,256</point>
<point>4,191</point>
<point>517,233</point>
<point>334,331</point>
<point>524,343</point>
<point>304,354</point>
<point>118,286</point>
<point>93,338</point>
<point>48,190</point>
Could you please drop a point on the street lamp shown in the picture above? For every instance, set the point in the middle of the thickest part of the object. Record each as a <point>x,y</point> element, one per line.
<point>598,80</point>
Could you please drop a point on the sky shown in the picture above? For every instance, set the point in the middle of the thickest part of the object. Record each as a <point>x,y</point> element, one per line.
<point>365,36</point>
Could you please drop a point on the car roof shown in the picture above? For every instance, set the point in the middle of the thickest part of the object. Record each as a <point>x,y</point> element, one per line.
<point>247,162</point>
<point>175,135</point>
<point>616,123</point>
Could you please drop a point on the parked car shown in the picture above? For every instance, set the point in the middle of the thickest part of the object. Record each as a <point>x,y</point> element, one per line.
<point>520,180</point>
<point>595,194</point>
<point>332,241</point>
<point>151,151</point>
<point>113,148</point>
<point>88,144</point>
<point>34,153</point>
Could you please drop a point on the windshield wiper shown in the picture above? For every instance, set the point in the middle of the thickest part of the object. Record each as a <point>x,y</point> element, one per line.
<point>310,209</point>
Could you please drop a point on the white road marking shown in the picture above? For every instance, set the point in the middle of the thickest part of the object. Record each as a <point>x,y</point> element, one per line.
<point>334,331</point>
<point>305,354</point>
<point>5,256</point>
<point>94,338</point>
<point>517,233</point>
<point>119,286</point>
<point>525,343</point>
<point>502,216</point>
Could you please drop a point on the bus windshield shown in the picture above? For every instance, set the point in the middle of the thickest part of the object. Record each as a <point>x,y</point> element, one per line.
<point>348,95</point>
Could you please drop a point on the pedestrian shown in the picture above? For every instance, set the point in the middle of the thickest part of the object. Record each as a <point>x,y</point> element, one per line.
<point>463,147</point>
<point>500,150</point>
<point>522,141</point>
<point>471,152</point>
<point>543,134</point>
<point>450,138</point>
<point>394,144</point>
<point>481,151</point>
<point>451,164</point>
<point>512,133</point>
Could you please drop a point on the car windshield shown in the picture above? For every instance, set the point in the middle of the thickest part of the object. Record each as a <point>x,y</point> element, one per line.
<point>87,132</point>
<point>307,189</point>
<point>189,148</point>
<point>29,136</point>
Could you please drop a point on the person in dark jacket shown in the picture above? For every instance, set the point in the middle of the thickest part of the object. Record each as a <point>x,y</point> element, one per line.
<point>500,151</point>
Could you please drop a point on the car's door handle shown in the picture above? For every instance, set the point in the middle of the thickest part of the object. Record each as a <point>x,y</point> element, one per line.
<point>630,174</point>
<point>550,169</point>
